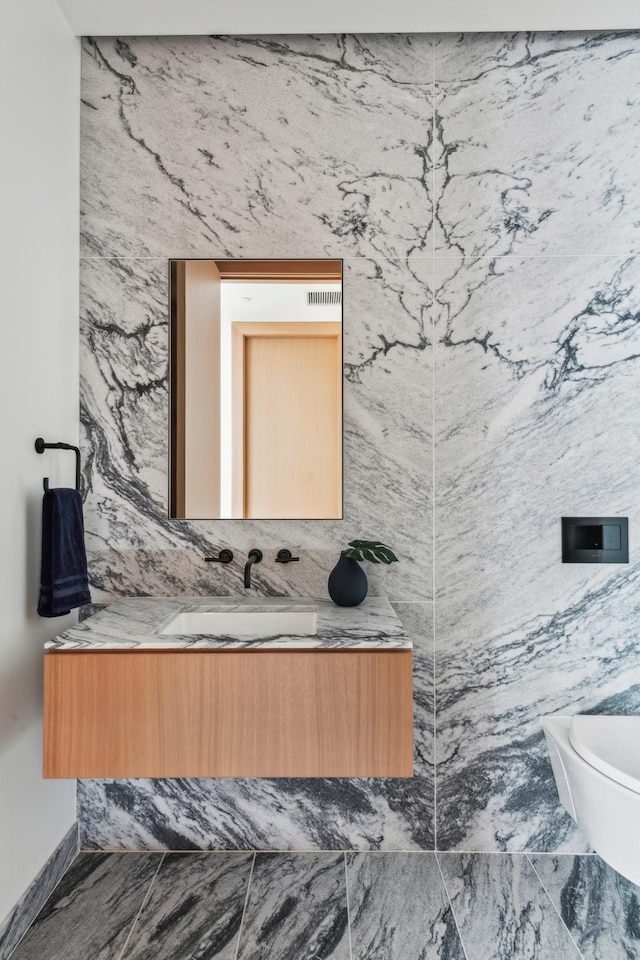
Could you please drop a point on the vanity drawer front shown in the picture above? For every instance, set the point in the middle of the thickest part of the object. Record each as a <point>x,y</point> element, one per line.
<point>228,714</point>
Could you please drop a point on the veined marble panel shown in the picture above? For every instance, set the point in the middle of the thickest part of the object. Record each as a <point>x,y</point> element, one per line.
<point>256,146</point>
<point>399,908</point>
<point>29,905</point>
<point>514,158</point>
<point>296,907</point>
<point>133,547</point>
<point>92,910</point>
<point>501,910</point>
<point>540,359</point>
<point>322,814</point>
<point>600,908</point>
<point>194,908</point>
<point>537,144</point>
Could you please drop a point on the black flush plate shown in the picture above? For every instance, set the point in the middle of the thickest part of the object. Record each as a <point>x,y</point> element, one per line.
<point>595,540</point>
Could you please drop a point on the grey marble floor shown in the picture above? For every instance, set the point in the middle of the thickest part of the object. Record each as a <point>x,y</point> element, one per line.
<point>337,906</point>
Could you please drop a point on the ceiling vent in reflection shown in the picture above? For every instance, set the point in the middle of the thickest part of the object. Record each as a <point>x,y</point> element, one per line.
<point>324,298</point>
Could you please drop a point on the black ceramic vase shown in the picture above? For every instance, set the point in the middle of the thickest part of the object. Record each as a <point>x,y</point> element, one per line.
<point>347,582</point>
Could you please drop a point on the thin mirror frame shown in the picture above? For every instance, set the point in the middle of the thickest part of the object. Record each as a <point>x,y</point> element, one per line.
<point>172,375</point>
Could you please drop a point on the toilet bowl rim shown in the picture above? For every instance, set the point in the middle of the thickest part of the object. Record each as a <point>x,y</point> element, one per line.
<point>619,771</point>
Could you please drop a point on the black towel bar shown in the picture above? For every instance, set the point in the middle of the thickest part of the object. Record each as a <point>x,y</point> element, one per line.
<point>41,446</point>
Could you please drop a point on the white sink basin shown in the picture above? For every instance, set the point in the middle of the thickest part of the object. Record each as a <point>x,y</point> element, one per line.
<point>243,623</point>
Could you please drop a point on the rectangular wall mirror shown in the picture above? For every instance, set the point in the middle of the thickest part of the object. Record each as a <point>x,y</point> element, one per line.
<point>256,389</point>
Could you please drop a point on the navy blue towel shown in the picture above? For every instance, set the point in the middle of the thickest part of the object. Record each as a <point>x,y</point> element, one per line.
<point>63,579</point>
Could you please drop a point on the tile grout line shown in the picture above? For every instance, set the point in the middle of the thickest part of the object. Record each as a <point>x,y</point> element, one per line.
<point>346,884</point>
<point>244,909</point>
<point>417,851</point>
<point>433,455</point>
<point>542,884</point>
<point>145,900</point>
<point>453,913</point>
<point>400,258</point>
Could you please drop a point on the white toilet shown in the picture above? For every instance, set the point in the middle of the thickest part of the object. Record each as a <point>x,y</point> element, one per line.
<point>596,764</point>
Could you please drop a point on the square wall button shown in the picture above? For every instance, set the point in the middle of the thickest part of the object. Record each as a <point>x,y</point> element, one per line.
<point>595,539</point>
<point>611,536</point>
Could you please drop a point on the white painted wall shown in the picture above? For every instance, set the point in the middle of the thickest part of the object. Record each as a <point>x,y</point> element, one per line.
<point>39,177</point>
<point>170,17</point>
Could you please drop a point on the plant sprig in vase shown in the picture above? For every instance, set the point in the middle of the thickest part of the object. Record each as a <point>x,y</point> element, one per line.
<point>347,581</point>
<point>371,550</point>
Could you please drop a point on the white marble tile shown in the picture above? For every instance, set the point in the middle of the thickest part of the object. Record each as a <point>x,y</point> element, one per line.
<point>194,908</point>
<point>92,909</point>
<point>464,57</point>
<point>399,909</point>
<point>207,814</point>
<point>253,146</point>
<point>501,909</point>
<point>26,910</point>
<point>132,545</point>
<point>296,907</point>
<point>537,144</point>
<point>538,420</point>
<point>599,907</point>
<point>417,621</point>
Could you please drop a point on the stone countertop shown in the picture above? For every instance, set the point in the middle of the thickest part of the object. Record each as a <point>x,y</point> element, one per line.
<point>134,624</point>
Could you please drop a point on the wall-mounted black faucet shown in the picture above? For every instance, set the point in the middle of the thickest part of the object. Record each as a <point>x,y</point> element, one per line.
<point>255,556</point>
<point>285,556</point>
<point>225,556</point>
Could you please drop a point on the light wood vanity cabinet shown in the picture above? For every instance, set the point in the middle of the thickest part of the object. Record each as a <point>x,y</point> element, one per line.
<point>229,713</point>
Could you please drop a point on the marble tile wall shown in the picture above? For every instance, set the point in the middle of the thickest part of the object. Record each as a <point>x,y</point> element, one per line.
<point>480,189</point>
<point>15,927</point>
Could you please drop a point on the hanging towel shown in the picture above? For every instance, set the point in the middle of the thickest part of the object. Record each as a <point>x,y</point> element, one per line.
<point>63,579</point>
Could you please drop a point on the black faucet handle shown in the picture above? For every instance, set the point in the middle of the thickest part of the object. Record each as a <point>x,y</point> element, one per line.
<point>284,556</point>
<point>225,556</point>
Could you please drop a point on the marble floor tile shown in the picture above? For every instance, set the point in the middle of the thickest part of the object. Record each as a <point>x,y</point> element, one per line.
<point>501,909</point>
<point>30,904</point>
<point>599,907</point>
<point>330,906</point>
<point>194,909</point>
<point>297,908</point>
<point>92,909</point>
<point>398,908</point>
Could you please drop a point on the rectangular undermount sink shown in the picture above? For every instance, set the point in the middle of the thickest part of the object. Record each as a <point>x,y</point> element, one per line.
<point>243,623</point>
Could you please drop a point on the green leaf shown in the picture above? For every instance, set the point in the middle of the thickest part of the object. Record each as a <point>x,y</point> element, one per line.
<point>372,550</point>
<point>387,555</point>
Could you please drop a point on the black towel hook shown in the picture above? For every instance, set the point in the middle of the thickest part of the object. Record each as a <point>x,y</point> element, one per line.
<point>41,446</point>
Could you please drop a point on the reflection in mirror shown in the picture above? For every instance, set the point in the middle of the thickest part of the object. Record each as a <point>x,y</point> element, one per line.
<point>256,389</point>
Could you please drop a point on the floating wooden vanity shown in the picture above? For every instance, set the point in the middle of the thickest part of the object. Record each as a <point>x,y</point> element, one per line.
<point>125,704</point>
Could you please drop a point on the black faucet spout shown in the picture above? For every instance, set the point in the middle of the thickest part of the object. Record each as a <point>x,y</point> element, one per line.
<point>255,556</point>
